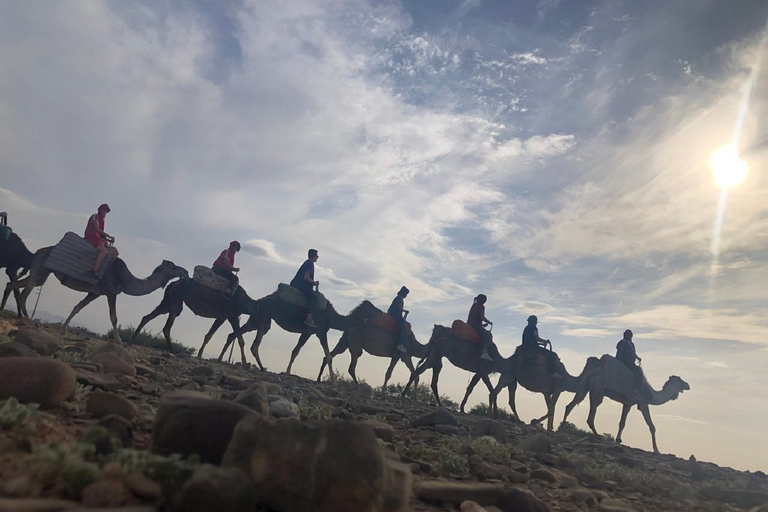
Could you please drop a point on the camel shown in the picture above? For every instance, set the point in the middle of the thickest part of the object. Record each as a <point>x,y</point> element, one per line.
<point>463,354</point>
<point>203,301</point>
<point>117,279</point>
<point>291,318</point>
<point>17,260</point>
<point>533,374</point>
<point>605,381</point>
<point>377,342</point>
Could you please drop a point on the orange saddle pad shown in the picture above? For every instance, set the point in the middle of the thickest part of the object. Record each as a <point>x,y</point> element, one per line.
<point>467,332</point>
<point>386,322</point>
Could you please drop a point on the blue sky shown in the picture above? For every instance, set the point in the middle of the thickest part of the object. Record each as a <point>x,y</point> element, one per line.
<point>551,154</point>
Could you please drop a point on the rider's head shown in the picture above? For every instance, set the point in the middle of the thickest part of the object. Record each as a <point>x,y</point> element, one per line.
<point>532,320</point>
<point>403,292</point>
<point>481,298</point>
<point>312,253</point>
<point>104,208</point>
<point>234,245</point>
<point>627,334</point>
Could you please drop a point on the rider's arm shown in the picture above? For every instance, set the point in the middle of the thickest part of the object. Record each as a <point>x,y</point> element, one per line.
<point>309,279</point>
<point>95,226</point>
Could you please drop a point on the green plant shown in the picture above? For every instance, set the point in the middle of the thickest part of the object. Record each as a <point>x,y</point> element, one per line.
<point>307,410</point>
<point>450,462</point>
<point>13,413</point>
<point>148,339</point>
<point>71,357</point>
<point>422,393</point>
<point>483,410</point>
<point>65,467</point>
<point>170,472</point>
<point>487,445</point>
<point>340,378</point>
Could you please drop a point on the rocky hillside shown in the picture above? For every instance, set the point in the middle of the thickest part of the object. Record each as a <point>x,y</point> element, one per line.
<point>134,428</point>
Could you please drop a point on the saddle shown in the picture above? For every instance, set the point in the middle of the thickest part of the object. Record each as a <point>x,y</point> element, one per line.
<point>386,322</point>
<point>466,332</point>
<point>74,256</point>
<point>207,277</point>
<point>294,296</point>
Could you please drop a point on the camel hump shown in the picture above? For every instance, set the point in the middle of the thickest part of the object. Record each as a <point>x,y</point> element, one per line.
<point>207,277</point>
<point>293,295</point>
<point>617,377</point>
<point>386,322</point>
<point>74,256</point>
<point>466,332</point>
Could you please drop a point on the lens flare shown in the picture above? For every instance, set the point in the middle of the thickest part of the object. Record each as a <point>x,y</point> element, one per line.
<point>727,168</point>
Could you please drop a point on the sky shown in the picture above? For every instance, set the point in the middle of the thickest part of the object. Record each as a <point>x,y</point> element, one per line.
<point>550,154</point>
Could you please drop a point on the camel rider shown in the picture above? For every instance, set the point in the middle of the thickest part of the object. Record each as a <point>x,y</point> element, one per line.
<point>397,312</point>
<point>304,280</point>
<point>95,234</point>
<point>477,320</point>
<point>534,343</point>
<point>225,265</point>
<point>625,352</point>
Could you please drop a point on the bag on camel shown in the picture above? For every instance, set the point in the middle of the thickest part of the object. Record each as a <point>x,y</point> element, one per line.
<point>466,332</point>
<point>386,322</point>
<point>294,296</point>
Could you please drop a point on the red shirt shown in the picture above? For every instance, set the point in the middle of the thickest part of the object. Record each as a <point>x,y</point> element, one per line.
<point>226,259</point>
<point>476,314</point>
<point>91,234</point>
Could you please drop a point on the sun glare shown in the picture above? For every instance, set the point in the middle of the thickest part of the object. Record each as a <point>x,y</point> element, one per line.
<point>727,168</point>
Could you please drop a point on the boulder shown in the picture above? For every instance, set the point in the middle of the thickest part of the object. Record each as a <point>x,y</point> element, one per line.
<point>97,380</point>
<point>45,381</point>
<point>15,349</point>
<point>202,371</point>
<point>103,404</point>
<point>538,444</point>
<point>192,423</point>
<point>456,493</point>
<point>517,500</point>
<point>215,488</point>
<point>489,427</point>
<point>321,466</point>
<point>40,341</point>
<point>112,363</point>
<point>437,417</point>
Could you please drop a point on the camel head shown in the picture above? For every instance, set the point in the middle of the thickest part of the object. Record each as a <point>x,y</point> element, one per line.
<point>438,332</point>
<point>364,311</point>
<point>170,270</point>
<point>676,385</point>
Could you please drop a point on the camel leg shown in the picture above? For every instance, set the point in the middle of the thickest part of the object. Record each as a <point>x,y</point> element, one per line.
<point>162,309</point>
<point>580,395</point>
<point>295,352</point>
<point>323,337</point>
<point>340,347</point>
<point>215,327</point>
<point>475,379</point>
<point>112,301</point>
<point>409,363</point>
<point>551,410</point>
<point>355,352</point>
<point>415,376</point>
<point>595,399</point>
<point>647,416</point>
<point>12,279</point>
<point>623,421</point>
<point>28,283</point>
<point>512,388</point>
<point>491,397</point>
<point>80,305</point>
<point>435,376</point>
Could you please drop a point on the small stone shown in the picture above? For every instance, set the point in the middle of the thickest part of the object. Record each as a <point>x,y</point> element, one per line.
<point>40,341</point>
<point>112,363</point>
<point>202,371</point>
<point>471,506</point>
<point>583,495</point>
<point>103,404</point>
<point>143,487</point>
<point>118,350</point>
<point>42,380</point>
<point>36,505</point>
<point>106,493</point>
<point>543,474</point>
<point>98,380</point>
<point>15,349</point>
<point>454,492</point>
<point>489,427</point>
<point>158,376</point>
<point>517,500</point>
<point>537,444</point>
<point>283,408</point>
<point>215,488</point>
<point>383,431</point>
<point>255,397</point>
<point>449,430</point>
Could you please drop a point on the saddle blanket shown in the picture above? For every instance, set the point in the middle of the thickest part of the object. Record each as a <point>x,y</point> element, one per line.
<point>207,277</point>
<point>74,256</point>
<point>618,378</point>
<point>466,332</point>
<point>386,322</point>
<point>294,296</point>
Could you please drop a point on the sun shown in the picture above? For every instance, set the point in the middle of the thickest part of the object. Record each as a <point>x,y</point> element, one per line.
<point>727,168</point>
